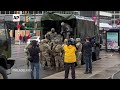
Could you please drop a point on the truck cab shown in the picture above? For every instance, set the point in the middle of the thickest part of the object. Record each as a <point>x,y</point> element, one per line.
<point>5,50</point>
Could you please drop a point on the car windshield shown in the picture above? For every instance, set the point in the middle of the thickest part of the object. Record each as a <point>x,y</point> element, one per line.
<point>34,37</point>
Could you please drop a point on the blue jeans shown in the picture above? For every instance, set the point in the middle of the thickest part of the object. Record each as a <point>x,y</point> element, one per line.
<point>88,63</point>
<point>37,67</point>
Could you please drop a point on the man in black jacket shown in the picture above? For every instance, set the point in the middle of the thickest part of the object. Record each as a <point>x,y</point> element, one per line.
<point>34,59</point>
<point>87,55</point>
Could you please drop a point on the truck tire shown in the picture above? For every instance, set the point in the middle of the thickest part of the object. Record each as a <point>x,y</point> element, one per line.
<point>3,74</point>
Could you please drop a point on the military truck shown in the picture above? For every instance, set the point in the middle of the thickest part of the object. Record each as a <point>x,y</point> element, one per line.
<point>5,50</point>
<point>81,26</point>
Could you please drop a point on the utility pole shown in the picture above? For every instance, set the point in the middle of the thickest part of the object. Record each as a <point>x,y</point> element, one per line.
<point>18,23</point>
<point>25,12</point>
<point>97,24</point>
<point>35,24</point>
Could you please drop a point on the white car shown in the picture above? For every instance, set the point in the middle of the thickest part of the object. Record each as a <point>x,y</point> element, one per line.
<point>37,38</point>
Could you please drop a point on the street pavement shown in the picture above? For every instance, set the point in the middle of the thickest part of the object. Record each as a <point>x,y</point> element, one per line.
<point>20,70</point>
<point>104,68</point>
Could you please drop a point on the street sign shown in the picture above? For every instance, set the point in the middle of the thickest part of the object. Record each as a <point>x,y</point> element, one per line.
<point>18,26</point>
<point>16,17</point>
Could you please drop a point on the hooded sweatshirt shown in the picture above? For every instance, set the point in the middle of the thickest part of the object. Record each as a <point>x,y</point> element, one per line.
<point>69,53</point>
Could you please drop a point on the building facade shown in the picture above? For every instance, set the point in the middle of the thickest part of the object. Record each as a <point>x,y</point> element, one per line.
<point>8,16</point>
<point>115,16</point>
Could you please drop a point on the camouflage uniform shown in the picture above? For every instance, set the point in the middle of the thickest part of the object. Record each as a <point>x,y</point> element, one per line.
<point>79,48</point>
<point>51,35</point>
<point>45,57</point>
<point>57,51</point>
<point>65,42</point>
<point>27,53</point>
<point>52,59</point>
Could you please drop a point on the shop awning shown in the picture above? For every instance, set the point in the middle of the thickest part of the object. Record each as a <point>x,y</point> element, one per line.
<point>105,25</point>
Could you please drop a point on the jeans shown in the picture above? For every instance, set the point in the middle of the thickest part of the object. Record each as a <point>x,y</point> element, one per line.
<point>88,62</point>
<point>67,67</point>
<point>33,67</point>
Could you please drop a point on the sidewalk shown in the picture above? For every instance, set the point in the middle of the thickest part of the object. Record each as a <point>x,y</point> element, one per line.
<point>102,69</point>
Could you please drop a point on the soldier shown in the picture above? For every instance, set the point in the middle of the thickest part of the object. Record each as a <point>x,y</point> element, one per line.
<point>57,51</point>
<point>51,35</point>
<point>79,48</point>
<point>65,42</point>
<point>27,53</point>
<point>45,50</point>
<point>52,59</point>
<point>65,30</point>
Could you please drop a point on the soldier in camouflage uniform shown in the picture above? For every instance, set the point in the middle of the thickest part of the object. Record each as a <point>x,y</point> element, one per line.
<point>52,59</point>
<point>57,51</point>
<point>65,42</point>
<point>45,51</point>
<point>79,48</point>
<point>51,35</point>
<point>27,53</point>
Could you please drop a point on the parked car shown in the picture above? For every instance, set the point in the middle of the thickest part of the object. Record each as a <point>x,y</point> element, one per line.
<point>37,38</point>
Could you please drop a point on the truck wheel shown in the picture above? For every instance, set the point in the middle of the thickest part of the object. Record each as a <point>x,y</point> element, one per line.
<point>3,74</point>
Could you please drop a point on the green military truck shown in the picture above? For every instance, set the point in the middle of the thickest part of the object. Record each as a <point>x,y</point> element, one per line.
<point>5,50</point>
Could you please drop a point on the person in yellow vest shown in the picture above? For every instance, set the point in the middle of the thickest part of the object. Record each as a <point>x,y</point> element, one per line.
<point>69,59</point>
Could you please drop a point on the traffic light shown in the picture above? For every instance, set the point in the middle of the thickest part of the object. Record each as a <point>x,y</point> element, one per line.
<point>27,18</point>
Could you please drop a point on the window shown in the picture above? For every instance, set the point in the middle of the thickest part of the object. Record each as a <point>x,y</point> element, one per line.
<point>2,12</point>
<point>112,16</point>
<point>116,16</point>
<point>31,12</point>
<point>40,12</point>
<point>35,12</point>
<point>7,12</point>
<point>11,12</point>
<point>116,11</point>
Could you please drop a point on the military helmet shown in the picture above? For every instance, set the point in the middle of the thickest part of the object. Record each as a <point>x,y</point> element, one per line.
<point>52,29</point>
<point>66,40</point>
<point>77,39</point>
<point>42,40</point>
<point>62,23</point>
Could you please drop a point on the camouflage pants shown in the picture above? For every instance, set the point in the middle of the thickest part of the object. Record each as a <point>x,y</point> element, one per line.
<point>79,58</point>
<point>45,59</point>
<point>59,61</point>
<point>52,60</point>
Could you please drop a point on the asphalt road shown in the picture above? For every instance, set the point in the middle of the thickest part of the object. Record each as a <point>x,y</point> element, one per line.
<point>20,70</point>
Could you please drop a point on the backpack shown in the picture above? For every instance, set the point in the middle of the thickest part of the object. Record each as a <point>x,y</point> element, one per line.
<point>33,53</point>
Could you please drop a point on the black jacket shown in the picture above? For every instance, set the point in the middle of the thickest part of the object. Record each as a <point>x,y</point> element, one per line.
<point>34,53</point>
<point>87,49</point>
